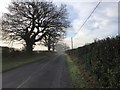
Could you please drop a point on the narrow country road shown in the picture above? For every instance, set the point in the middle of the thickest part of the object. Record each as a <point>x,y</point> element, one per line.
<point>49,73</point>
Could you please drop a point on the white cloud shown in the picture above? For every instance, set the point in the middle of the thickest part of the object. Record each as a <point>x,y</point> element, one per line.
<point>3,6</point>
<point>103,22</point>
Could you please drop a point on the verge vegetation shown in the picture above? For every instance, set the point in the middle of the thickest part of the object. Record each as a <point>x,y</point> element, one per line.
<point>12,58</point>
<point>101,59</point>
<point>79,76</point>
<point>75,74</point>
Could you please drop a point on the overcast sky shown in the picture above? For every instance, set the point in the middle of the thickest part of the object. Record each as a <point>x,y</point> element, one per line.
<point>103,22</point>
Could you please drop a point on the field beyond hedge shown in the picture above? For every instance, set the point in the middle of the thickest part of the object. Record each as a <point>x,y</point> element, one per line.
<point>12,58</point>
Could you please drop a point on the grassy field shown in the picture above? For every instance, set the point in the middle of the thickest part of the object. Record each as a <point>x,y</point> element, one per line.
<point>9,63</point>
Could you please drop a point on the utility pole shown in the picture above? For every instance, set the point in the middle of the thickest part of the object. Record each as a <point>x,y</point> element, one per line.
<point>72,53</point>
<point>71,43</point>
<point>65,47</point>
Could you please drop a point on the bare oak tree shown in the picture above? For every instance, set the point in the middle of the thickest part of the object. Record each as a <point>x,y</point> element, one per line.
<point>32,21</point>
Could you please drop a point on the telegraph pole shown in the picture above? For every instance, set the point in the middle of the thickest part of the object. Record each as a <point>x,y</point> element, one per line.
<point>71,43</point>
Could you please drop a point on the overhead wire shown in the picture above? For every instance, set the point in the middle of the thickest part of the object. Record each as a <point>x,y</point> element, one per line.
<point>88,17</point>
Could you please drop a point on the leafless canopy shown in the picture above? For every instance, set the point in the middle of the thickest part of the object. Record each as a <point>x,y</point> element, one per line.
<point>31,21</point>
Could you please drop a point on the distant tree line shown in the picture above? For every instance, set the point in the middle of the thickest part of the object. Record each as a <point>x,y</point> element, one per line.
<point>101,58</point>
<point>9,52</point>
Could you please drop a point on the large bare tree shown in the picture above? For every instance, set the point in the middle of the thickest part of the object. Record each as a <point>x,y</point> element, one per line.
<point>32,21</point>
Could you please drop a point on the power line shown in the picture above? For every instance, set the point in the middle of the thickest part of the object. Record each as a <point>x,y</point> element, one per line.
<point>89,16</point>
<point>85,22</point>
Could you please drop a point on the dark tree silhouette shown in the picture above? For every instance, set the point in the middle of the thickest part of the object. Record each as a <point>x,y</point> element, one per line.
<point>32,21</point>
<point>52,37</point>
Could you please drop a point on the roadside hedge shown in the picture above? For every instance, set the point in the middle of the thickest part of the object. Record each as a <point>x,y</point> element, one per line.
<point>101,58</point>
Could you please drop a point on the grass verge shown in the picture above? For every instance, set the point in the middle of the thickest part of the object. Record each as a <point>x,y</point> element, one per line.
<point>14,62</point>
<point>75,74</point>
<point>81,78</point>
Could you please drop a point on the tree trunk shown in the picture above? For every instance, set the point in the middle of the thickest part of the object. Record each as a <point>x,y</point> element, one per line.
<point>49,43</point>
<point>49,47</point>
<point>29,47</point>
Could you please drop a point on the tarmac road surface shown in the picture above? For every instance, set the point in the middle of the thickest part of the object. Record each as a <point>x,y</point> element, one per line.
<point>49,73</point>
